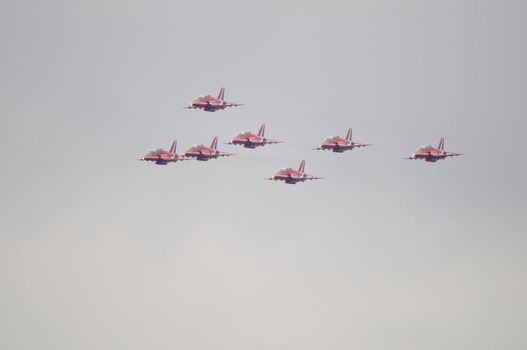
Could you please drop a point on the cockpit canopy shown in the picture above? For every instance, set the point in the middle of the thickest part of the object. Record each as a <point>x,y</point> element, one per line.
<point>424,148</point>
<point>201,97</point>
<point>243,134</point>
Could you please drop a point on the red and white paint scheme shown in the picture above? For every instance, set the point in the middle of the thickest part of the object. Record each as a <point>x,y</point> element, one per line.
<point>210,103</point>
<point>204,153</point>
<point>433,154</point>
<point>162,157</point>
<point>249,140</point>
<point>340,144</point>
<point>292,176</point>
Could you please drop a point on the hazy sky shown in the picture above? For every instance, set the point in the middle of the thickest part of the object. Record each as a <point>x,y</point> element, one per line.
<point>100,251</point>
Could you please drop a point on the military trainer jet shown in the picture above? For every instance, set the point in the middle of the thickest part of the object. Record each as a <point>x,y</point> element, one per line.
<point>249,140</point>
<point>210,103</point>
<point>204,153</point>
<point>433,154</point>
<point>162,157</point>
<point>339,144</point>
<point>292,176</point>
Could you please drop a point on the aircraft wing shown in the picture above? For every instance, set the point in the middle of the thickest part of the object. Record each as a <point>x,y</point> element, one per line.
<point>190,107</point>
<point>225,154</point>
<point>311,177</point>
<point>453,154</point>
<point>231,104</point>
<point>271,142</point>
<point>411,158</point>
<point>361,144</point>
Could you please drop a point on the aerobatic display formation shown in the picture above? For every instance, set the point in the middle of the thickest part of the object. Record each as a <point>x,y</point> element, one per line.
<point>248,139</point>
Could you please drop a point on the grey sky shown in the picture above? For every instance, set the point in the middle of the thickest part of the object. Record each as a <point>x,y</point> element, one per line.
<point>99,251</point>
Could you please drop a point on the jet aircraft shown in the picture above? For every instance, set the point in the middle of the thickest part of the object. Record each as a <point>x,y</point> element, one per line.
<point>249,140</point>
<point>203,153</point>
<point>162,157</point>
<point>433,154</point>
<point>339,144</point>
<point>292,176</point>
<point>210,103</point>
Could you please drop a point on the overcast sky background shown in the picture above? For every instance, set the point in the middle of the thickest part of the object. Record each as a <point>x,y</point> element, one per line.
<point>100,251</point>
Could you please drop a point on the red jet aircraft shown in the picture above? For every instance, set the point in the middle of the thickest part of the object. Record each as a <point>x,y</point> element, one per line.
<point>249,140</point>
<point>212,104</point>
<point>162,157</point>
<point>339,145</point>
<point>433,154</point>
<point>203,153</point>
<point>292,176</point>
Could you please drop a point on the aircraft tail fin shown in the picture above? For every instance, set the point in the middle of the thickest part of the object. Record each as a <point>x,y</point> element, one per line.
<point>261,132</point>
<point>302,166</point>
<point>348,135</point>
<point>173,147</point>
<point>221,94</point>
<point>441,144</point>
<point>214,143</point>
